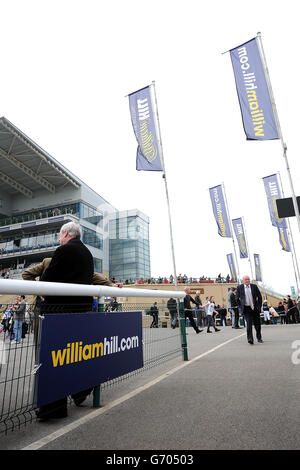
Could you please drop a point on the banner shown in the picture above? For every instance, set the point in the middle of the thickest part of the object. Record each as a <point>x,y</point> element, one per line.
<point>80,351</point>
<point>220,212</point>
<point>231,265</point>
<point>253,94</point>
<point>273,192</point>
<point>148,156</point>
<point>284,239</point>
<point>240,236</point>
<point>258,275</point>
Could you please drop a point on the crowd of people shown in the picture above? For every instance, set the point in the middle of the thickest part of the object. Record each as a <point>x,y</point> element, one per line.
<point>208,313</point>
<point>181,279</point>
<point>72,262</point>
<point>17,320</point>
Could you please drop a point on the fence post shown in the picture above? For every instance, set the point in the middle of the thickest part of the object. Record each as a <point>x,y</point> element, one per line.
<point>183,330</point>
<point>96,391</point>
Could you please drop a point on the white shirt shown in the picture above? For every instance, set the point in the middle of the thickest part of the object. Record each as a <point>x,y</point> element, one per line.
<point>248,288</point>
<point>210,308</point>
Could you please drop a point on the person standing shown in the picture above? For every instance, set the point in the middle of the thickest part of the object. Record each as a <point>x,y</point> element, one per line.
<point>234,309</point>
<point>296,311</point>
<point>19,318</point>
<point>291,311</point>
<point>281,312</point>
<point>223,315</point>
<point>154,313</point>
<point>249,298</point>
<point>188,312</point>
<point>266,312</point>
<point>199,309</point>
<point>274,314</point>
<point>210,314</point>
<point>72,262</point>
<point>172,307</point>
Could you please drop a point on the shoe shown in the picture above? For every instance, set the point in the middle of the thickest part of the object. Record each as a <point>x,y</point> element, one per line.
<point>217,329</point>
<point>208,331</point>
<point>237,328</point>
<point>260,341</point>
<point>79,401</point>
<point>199,331</point>
<point>250,341</point>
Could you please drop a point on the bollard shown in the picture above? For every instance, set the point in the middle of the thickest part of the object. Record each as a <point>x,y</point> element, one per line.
<point>183,331</point>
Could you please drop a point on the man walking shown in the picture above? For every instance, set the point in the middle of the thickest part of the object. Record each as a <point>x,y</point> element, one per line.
<point>234,309</point>
<point>249,298</point>
<point>19,318</point>
<point>188,313</point>
<point>172,307</point>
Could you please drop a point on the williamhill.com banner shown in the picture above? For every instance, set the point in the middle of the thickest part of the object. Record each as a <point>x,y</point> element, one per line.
<point>240,236</point>
<point>231,265</point>
<point>81,351</point>
<point>254,98</point>
<point>143,121</point>
<point>220,212</point>
<point>273,192</point>
<point>258,275</point>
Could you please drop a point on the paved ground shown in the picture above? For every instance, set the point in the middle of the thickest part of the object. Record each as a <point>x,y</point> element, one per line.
<point>230,395</point>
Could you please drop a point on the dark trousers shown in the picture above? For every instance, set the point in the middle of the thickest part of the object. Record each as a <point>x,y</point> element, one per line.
<point>190,316</point>
<point>252,317</point>
<point>154,323</point>
<point>235,320</point>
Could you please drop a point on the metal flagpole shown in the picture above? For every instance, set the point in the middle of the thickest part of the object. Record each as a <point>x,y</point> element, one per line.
<point>262,280</point>
<point>231,230</point>
<point>247,245</point>
<point>263,59</point>
<point>166,187</point>
<point>293,251</point>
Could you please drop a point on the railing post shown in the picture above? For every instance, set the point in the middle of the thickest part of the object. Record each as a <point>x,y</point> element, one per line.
<point>96,391</point>
<point>183,331</point>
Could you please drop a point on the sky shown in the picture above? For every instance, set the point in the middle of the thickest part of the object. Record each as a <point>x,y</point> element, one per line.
<point>67,67</point>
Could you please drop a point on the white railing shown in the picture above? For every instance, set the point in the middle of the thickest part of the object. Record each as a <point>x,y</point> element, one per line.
<point>20,287</point>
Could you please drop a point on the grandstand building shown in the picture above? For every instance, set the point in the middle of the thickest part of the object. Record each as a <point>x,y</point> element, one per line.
<point>38,195</point>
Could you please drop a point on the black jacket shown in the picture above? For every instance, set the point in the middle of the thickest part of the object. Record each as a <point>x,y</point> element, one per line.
<point>256,295</point>
<point>187,302</point>
<point>71,263</point>
<point>172,305</point>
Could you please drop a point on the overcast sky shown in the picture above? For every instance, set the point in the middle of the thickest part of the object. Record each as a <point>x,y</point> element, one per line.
<point>67,66</point>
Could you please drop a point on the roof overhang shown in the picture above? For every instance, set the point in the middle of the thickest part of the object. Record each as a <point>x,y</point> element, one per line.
<point>26,167</point>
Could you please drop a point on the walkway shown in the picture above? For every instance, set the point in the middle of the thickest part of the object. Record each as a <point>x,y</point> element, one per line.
<point>229,395</point>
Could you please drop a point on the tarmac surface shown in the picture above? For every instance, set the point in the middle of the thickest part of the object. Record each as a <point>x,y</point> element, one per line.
<point>229,395</point>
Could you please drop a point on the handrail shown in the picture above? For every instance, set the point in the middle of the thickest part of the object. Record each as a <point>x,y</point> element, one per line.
<point>20,287</point>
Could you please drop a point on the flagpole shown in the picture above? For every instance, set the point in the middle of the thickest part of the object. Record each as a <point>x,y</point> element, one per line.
<point>293,250</point>
<point>264,62</point>
<point>231,231</point>
<point>166,187</point>
<point>247,245</point>
<point>261,276</point>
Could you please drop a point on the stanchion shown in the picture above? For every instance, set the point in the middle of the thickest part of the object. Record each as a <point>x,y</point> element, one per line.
<point>183,331</point>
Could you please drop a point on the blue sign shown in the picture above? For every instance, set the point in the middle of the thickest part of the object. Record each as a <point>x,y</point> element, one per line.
<point>254,98</point>
<point>231,265</point>
<point>82,350</point>
<point>273,192</point>
<point>284,239</point>
<point>220,211</point>
<point>143,121</point>
<point>240,236</point>
<point>258,274</point>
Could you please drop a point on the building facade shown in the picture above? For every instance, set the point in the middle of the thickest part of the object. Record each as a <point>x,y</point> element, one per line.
<point>38,195</point>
